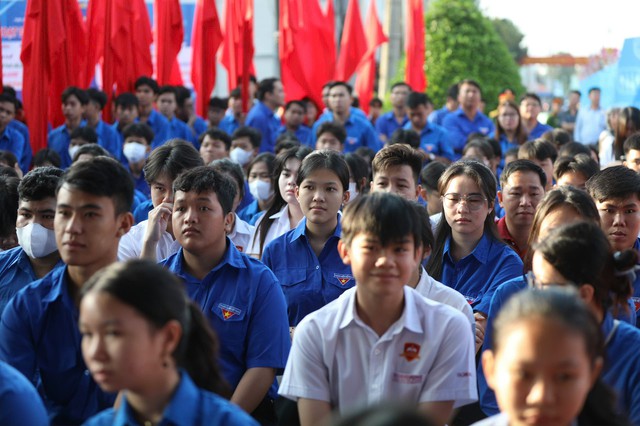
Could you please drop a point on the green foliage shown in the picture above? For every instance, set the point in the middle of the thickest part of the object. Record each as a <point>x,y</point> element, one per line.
<point>462,43</point>
<point>511,36</point>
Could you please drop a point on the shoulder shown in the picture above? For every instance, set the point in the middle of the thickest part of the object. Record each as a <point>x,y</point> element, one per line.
<point>497,420</point>
<point>227,413</point>
<point>103,418</point>
<point>329,318</point>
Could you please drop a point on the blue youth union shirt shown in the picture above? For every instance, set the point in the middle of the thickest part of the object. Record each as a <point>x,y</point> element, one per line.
<point>309,282</point>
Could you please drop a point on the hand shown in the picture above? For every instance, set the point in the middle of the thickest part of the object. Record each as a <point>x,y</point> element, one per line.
<point>159,219</point>
<point>481,324</point>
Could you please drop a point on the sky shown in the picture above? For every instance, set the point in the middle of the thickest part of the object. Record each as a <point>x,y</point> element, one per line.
<point>581,28</point>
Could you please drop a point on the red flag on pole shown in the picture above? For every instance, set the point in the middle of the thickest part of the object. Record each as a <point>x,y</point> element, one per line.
<point>415,75</point>
<point>169,35</point>
<point>52,55</point>
<point>237,47</point>
<point>205,41</point>
<point>353,44</point>
<point>367,68</point>
<point>96,17</point>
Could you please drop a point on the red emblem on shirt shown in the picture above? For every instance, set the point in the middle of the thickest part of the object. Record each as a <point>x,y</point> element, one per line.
<point>227,314</point>
<point>636,303</point>
<point>228,311</point>
<point>411,351</point>
<point>343,279</point>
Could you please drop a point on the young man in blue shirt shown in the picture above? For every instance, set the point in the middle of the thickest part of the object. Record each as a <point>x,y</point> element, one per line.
<point>186,113</point>
<point>467,118</point>
<point>234,116</point>
<point>437,116</point>
<point>262,115</point>
<point>147,93</point>
<point>39,327</point>
<point>74,102</point>
<point>136,149</point>
<point>434,140</point>
<point>107,135</point>
<point>167,104</point>
<point>360,132</point>
<point>12,139</point>
<point>294,113</point>
<point>239,295</point>
<point>37,254</point>
<point>395,119</point>
<point>530,107</point>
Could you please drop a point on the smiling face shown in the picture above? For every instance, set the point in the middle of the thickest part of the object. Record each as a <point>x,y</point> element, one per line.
<point>463,220</point>
<point>320,196</point>
<point>541,373</point>
<point>620,221</point>
<point>121,349</point>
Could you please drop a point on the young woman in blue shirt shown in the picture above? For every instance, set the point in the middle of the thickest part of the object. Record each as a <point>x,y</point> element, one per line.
<point>141,336</point>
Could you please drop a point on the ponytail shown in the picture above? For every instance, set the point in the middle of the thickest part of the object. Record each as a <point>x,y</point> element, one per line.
<point>199,353</point>
<point>620,274</point>
<point>600,408</point>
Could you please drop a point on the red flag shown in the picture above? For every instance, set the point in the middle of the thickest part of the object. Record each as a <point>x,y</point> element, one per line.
<point>237,48</point>
<point>367,68</point>
<point>415,46</point>
<point>205,41</point>
<point>169,36</point>
<point>303,33</point>
<point>353,44</point>
<point>52,54</point>
<point>96,15</point>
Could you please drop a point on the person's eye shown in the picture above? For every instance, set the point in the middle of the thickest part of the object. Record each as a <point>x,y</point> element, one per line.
<point>48,216</point>
<point>26,215</point>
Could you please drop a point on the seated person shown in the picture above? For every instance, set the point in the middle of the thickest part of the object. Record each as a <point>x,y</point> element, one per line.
<point>632,152</point>
<point>330,135</point>
<point>294,113</point>
<point>79,137</point>
<point>9,201</point>
<point>136,149</point>
<point>543,153</point>
<point>259,179</point>
<point>245,145</point>
<point>575,171</point>
<point>214,145</point>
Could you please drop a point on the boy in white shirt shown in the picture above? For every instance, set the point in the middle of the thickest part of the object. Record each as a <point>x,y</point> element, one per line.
<point>381,341</point>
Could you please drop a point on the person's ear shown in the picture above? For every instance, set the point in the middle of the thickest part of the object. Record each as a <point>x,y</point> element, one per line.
<point>171,334</point>
<point>229,219</point>
<point>587,293</point>
<point>346,196</point>
<point>125,222</point>
<point>343,251</point>
<point>500,198</point>
<point>488,367</point>
<point>418,190</point>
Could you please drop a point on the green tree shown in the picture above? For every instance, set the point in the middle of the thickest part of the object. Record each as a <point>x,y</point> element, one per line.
<point>511,36</point>
<point>462,43</point>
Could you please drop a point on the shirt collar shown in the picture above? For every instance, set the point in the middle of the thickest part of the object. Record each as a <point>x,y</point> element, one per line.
<point>241,228</point>
<point>231,257</point>
<point>58,288</point>
<point>301,229</point>
<point>409,318</point>
<point>480,252</point>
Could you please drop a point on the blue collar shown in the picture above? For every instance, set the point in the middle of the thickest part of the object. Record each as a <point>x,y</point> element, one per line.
<point>232,257</point>
<point>480,252</point>
<point>58,289</point>
<point>301,230</point>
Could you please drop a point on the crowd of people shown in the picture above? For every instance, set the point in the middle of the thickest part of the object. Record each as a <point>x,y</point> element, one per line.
<point>309,264</point>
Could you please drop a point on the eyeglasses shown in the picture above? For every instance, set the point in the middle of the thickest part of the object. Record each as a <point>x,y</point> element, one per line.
<point>474,201</point>
<point>533,282</point>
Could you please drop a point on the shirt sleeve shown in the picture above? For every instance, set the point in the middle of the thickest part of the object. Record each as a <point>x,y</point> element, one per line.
<point>129,246</point>
<point>259,123</point>
<point>20,403</point>
<point>452,376</point>
<point>456,136</point>
<point>268,334</point>
<point>17,344</point>
<point>445,145</point>
<point>509,267</point>
<point>306,374</point>
<point>371,138</point>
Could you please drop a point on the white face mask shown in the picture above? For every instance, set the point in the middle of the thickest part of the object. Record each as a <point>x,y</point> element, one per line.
<point>353,191</point>
<point>240,156</point>
<point>36,240</point>
<point>260,190</point>
<point>72,150</point>
<point>134,151</point>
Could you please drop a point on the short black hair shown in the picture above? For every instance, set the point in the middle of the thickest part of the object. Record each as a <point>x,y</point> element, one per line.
<point>104,177</point>
<point>140,130</point>
<point>8,204</point>
<point>5,97</point>
<point>415,99</point>
<point>9,90</point>
<point>218,103</point>
<point>245,131</point>
<point>207,179</point>
<point>430,174</point>
<point>531,95</point>
<point>167,89</point>
<point>182,94</point>
<point>216,134</point>
<point>427,239</point>
<point>397,155</point>
<point>384,215</point>
<point>147,81</point>
<point>632,142</point>
<point>559,137</point>
<point>126,100</point>
<point>343,84</point>
<point>538,149</point>
<point>85,133</point>
<point>572,149</point>
<point>615,182</point>
<point>452,92</point>
<point>594,88</point>
<point>171,159</point>
<point>80,94</point>
<point>39,183</point>
<point>324,159</point>
<point>266,86</point>
<point>235,93</point>
<point>400,84</point>
<point>359,169</point>
<point>577,92</point>
<point>46,155</point>
<point>375,102</point>
<point>522,166</point>
<point>97,96</point>
<point>471,83</point>
<point>580,163</point>
<point>336,129</point>
<point>233,170</point>
<point>405,136</point>
<point>301,104</point>
<point>286,140</point>
<point>92,149</point>
<point>8,157</point>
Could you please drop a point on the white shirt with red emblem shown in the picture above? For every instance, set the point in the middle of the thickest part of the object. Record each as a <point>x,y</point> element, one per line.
<point>427,355</point>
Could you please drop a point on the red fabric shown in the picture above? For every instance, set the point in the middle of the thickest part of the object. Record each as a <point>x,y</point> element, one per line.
<point>205,41</point>
<point>96,15</point>
<point>353,45</point>
<point>126,47</point>
<point>415,75</point>
<point>237,47</point>
<point>303,33</point>
<point>169,35</point>
<point>367,68</point>
<point>52,54</point>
